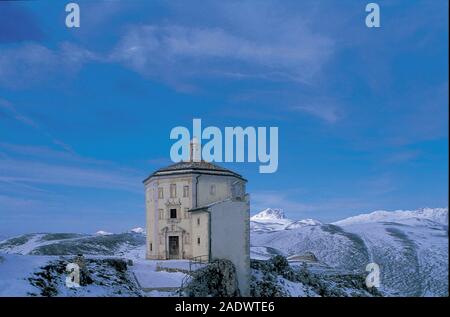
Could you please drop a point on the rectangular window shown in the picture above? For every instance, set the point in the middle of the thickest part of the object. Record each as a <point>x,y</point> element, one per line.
<point>173,213</point>
<point>151,247</point>
<point>173,190</point>
<point>212,190</point>
<point>198,221</point>
<point>185,191</point>
<point>186,213</point>
<point>198,240</point>
<point>160,193</point>
<point>160,214</point>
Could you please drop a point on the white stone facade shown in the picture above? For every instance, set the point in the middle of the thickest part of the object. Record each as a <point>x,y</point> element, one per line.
<point>199,210</point>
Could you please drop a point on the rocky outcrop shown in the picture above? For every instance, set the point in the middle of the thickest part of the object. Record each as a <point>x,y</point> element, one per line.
<point>218,279</point>
<point>276,278</point>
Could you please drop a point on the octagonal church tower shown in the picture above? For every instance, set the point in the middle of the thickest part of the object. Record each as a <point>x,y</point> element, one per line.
<point>199,210</point>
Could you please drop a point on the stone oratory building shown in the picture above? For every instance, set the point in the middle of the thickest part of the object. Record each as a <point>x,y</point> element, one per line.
<point>199,210</point>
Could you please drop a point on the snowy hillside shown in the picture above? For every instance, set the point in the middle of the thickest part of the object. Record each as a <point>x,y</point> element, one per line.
<point>121,244</point>
<point>439,215</point>
<point>411,247</point>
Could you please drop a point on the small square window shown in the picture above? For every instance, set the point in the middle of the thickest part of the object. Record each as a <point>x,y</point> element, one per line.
<point>173,213</point>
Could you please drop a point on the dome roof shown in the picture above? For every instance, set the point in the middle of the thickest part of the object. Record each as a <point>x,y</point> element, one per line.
<point>191,167</point>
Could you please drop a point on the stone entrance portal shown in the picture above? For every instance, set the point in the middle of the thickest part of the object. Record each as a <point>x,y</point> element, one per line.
<point>174,247</point>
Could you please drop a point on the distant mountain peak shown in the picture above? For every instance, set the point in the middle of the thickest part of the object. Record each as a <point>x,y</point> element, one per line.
<point>103,233</point>
<point>137,230</point>
<point>269,214</point>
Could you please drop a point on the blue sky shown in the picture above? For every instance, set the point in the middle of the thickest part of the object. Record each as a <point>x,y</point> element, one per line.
<point>85,114</point>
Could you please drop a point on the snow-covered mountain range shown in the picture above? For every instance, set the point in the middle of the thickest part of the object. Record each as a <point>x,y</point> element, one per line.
<point>439,215</point>
<point>411,247</point>
<point>274,219</point>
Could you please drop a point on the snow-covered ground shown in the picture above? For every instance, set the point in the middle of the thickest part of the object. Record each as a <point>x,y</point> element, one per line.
<point>14,273</point>
<point>21,258</point>
<point>151,276</point>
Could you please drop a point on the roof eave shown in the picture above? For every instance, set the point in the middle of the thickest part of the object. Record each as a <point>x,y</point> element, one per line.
<point>194,171</point>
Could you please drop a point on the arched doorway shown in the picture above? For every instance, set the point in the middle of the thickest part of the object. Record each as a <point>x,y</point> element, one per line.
<point>174,242</point>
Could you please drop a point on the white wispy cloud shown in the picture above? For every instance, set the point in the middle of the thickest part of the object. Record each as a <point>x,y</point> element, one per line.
<point>12,111</point>
<point>31,63</point>
<point>51,174</point>
<point>155,50</point>
<point>35,166</point>
<point>326,112</point>
<point>247,40</point>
